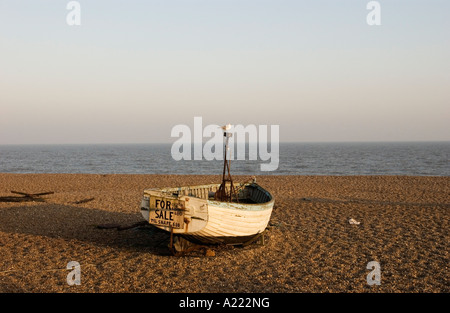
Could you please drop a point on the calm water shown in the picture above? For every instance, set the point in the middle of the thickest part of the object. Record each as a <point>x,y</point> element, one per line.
<point>426,158</point>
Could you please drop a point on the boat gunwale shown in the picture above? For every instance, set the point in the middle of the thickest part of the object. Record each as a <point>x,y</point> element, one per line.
<point>165,192</point>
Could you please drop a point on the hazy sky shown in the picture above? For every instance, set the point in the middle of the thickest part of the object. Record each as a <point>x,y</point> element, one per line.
<point>134,69</point>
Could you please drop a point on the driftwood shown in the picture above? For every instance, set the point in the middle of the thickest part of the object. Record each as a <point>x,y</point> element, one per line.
<point>25,197</point>
<point>120,227</point>
<point>32,194</point>
<point>83,201</point>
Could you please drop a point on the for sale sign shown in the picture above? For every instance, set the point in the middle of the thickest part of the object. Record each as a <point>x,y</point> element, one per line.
<point>165,213</point>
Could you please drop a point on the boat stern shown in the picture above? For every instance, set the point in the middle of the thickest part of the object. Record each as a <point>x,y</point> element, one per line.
<point>174,212</point>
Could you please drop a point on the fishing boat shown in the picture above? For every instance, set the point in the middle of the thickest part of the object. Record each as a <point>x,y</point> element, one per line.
<point>225,213</point>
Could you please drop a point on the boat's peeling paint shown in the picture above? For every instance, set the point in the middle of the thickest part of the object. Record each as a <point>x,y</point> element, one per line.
<point>242,206</point>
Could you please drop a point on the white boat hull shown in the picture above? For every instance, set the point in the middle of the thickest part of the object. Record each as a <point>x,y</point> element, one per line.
<point>206,220</point>
<point>232,225</point>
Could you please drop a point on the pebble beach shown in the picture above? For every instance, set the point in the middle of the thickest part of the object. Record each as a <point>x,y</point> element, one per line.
<point>402,223</point>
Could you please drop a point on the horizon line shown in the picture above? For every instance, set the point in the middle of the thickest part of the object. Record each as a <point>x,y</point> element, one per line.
<point>169,143</point>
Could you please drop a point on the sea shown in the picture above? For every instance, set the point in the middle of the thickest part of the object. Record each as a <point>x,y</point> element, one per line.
<point>347,158</point>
